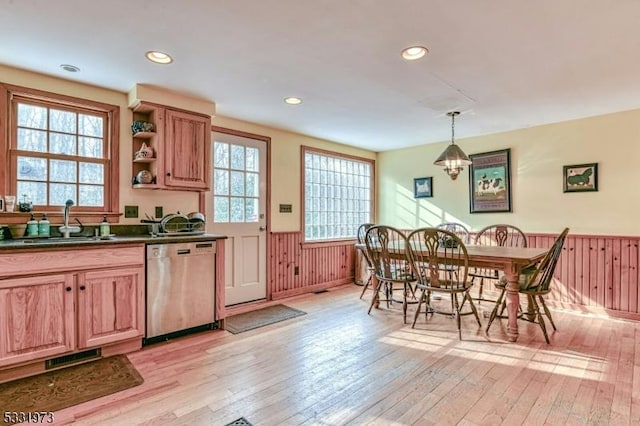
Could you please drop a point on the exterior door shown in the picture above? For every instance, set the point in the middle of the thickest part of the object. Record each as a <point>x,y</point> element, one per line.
<point>239,200</point>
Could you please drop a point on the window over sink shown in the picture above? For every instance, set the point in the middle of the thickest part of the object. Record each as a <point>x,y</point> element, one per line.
<point>61,148</point>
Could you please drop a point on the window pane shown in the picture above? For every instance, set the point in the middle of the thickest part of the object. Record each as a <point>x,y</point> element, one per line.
<point>237,157</point>
<point>334,190</point>
<point>237,183</point>
<point>221,182</point>
<point>253,184</point>
<point>253,159</point>
<point>251,212</point>
<point>32,140</point>
<point>61,192</point>
<point>90,147</point>
<point>220,209</point>
<point>91,173</point>
<point>237,209</point>
<point>91,195</point>
<point>90,125</point>
<point>63,171</point>
<point>63,144</point>
<point>220,154</point>
<point>62,121</point>
<point>30,168</point>
<point>36,191</point>
<point>32,116</point>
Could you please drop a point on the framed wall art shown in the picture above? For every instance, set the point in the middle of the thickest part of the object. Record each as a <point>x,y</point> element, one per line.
<point>580,177</point>
<point>490,182</point>
<point>423,187</point>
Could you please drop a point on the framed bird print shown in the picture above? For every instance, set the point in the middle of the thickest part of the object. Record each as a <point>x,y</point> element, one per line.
<point>490,182</point>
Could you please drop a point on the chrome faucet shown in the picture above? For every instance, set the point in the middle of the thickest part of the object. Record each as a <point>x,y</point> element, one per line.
<point>65,230</point>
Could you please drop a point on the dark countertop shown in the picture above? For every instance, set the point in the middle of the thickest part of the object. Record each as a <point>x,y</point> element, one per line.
<point>74,242</point>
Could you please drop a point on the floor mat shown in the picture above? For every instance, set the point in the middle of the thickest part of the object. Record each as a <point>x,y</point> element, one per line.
<point>259,318</point>
<point>55,390</point>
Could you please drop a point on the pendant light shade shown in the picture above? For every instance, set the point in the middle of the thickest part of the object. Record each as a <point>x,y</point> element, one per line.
<point>453,159</point>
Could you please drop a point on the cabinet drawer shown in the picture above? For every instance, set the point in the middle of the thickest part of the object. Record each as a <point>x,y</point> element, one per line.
<point>38,262</point>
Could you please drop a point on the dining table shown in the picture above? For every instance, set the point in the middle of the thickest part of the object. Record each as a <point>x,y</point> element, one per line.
<point>511,261</point>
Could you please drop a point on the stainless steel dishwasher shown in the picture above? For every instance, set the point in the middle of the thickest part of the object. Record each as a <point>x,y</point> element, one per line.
<point>180,289</point>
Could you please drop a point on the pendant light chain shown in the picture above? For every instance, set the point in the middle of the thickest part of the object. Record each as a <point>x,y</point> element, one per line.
<point>453,119</point>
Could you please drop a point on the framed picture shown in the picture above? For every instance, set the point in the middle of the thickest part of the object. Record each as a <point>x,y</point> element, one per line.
<point>490,182</point>
<point>423,187</point>
<point>580,177</point>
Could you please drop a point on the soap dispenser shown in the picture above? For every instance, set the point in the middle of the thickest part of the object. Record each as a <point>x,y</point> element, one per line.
<point>105,230</point>
<point>32,227</point>
<point>44,226</point>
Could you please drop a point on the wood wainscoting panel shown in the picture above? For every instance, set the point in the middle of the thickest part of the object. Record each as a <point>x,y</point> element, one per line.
<point>596,273</point>
<point>296,268</point>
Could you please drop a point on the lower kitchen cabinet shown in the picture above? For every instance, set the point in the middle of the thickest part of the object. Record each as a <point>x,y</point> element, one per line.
<point>68,301</point>
<point>36,317</point>
<point>110,306</point>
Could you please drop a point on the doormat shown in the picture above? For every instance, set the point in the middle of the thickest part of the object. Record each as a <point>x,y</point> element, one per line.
<point>259,318</point>
<point>239,422</point>
<point>55,390</point>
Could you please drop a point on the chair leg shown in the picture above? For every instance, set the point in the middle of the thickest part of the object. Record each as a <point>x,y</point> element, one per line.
<point>376,296</point>
<point>467,296</point>
<point>494,312</point>
<point>422,297</point>
<point>366,285</point>
<point>404,303</point>
<point>454,298</point>
<point>480,287</point>
<point>532,301</point>
<point>547,312</point>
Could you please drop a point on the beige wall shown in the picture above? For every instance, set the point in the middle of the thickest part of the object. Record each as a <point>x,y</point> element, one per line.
<point>285,148</point>
<point>537,157</point>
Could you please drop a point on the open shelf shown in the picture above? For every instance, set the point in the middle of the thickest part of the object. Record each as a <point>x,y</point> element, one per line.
<point>144,160</point>
<point>144,135</point>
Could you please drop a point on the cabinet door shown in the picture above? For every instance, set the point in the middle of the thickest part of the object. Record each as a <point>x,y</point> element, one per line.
<point>110,306</point>
<point>187,147</point>
<point>37,315</point>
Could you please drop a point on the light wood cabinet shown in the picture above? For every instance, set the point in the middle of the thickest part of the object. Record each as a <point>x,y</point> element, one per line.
<point>188,139</point>
<point>69,301</point>
<point>37,318</point>
<point>110,306</point>
<point>181,144</point>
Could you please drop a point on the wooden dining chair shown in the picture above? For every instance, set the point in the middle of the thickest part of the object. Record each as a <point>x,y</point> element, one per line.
<point>387,250</point>
<point>495,235</point>
<point>440,262</point>
<point>535,282</point>
<point>361,235</point>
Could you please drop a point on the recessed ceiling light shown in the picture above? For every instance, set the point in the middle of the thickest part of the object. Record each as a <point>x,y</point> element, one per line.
<point>292,100</point>
<point>158,57</point>
<point>70,68</point>
<point>414,52</point>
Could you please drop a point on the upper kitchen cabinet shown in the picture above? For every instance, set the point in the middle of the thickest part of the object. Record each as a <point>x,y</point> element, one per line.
<point>188,139</point>
<point>171,148</point>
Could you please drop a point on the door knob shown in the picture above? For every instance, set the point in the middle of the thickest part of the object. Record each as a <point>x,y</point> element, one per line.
<point>263,228</point>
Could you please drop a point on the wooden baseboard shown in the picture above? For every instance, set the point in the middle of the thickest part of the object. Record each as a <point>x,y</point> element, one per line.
<point>311,288</point>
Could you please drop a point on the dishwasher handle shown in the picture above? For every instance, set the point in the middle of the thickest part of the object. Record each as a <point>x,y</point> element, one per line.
<point>183,251</point>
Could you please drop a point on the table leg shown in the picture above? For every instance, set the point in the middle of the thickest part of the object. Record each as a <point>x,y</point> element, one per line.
<point>512,298</point>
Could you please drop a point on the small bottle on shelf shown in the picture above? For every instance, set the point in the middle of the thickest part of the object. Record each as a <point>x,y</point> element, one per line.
<point>32,227</point>
<point>44,226</point>
<point>105,229</point>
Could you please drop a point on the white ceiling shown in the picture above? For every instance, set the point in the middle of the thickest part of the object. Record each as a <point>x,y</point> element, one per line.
<point>506,64</point>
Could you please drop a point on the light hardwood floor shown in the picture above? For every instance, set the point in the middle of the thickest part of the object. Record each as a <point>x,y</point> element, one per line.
<point>337,365</point>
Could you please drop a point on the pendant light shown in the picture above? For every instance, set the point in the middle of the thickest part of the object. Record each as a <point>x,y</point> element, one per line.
<point>453,158</point>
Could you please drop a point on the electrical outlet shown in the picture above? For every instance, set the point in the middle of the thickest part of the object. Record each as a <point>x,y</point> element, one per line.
<point>158,212</point>
<point>296,270</point>
<point>131,211</point>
